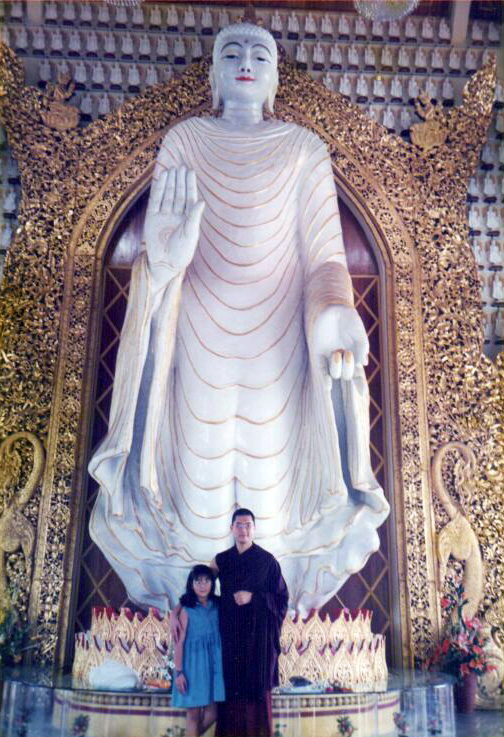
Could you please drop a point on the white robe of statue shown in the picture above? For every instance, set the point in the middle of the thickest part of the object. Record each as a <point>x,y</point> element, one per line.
<point>221,396</point>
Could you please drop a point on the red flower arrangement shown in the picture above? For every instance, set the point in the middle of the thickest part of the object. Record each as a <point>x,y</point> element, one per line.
<point>461,651</point>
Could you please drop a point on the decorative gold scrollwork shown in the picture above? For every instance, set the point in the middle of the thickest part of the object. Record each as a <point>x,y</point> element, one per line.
<point>433,131</point>
<point>77,184</point>
<point>458,538</point>
<point>490,693</point>
<point>15,530</point>
<point>59,115</point>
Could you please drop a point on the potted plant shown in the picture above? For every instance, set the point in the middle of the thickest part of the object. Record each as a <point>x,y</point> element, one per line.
<point>345,727</point>
<point>461,652</point>
<point>13,633</point>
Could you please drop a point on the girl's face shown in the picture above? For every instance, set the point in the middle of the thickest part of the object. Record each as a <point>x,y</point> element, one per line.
<point>202,587</point>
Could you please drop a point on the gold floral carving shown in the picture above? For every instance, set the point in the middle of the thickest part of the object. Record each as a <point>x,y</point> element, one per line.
<point>434,131</point>
<point>78,183</point>
<point>457,538</point>
<point>490,694</point>
<point>58,115</point>
<point>15,529</point>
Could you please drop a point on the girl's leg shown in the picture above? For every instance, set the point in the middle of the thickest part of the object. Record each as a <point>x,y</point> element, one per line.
<point>209,715</point>
<point>193,722</point>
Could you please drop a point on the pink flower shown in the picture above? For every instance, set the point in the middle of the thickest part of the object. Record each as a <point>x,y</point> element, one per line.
<point>462,639</point>
<point>473,624</point>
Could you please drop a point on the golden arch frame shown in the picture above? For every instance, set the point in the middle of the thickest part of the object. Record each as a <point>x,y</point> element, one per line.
<point>77,183</point>
<point>78,245</point>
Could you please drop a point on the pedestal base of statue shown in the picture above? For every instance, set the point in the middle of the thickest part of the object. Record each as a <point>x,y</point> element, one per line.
<point>39,704</point>
<point>125,715</point>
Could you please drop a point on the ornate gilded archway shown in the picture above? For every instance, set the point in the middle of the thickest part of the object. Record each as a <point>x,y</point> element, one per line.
<point>77,184</point>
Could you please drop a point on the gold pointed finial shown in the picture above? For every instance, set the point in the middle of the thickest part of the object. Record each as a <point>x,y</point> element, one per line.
<point>250,16</point>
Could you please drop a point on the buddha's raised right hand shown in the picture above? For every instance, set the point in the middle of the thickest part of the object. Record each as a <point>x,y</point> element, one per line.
<point>172,224</point>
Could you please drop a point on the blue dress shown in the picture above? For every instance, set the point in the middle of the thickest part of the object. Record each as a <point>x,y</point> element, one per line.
<point>202,660</point>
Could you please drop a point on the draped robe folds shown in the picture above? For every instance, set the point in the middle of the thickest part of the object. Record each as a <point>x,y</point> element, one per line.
<point>219,399</point>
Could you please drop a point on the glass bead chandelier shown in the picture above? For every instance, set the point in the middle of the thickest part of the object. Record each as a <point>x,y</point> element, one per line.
<point>385,10</point>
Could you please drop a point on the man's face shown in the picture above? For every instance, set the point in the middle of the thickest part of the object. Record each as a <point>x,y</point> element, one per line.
<point>243,529</point>
<point>246,70</point>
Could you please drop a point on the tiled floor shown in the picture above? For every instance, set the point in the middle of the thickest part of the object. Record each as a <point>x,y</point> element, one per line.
<point>481,724</point>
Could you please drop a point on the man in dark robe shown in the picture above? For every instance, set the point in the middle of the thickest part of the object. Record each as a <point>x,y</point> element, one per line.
<point>252,608</point>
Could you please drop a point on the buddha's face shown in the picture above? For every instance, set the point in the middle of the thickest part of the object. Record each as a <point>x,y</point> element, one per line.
<point>246,70</point>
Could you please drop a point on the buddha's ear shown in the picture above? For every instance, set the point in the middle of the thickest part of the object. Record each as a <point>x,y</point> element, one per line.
<point>215,89</point>
<point>270,100</point>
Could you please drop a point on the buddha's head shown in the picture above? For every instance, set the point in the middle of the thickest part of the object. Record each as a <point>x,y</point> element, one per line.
<point>245,66</point>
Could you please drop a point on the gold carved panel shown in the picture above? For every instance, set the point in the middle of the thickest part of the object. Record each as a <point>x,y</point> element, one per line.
<point>78,182</point>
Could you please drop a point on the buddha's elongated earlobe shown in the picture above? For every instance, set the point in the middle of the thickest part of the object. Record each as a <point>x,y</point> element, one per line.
<point>215,89</point>
<point>270,100</point>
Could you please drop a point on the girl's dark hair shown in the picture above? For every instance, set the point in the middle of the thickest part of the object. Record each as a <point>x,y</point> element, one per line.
<point>190,599</point>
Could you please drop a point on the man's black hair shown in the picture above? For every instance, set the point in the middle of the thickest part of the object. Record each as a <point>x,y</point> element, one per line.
<point>242,513</point>
<point>190,599</point>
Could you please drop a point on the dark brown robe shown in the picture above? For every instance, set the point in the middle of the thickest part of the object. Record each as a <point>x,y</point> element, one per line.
<point>250,637</point>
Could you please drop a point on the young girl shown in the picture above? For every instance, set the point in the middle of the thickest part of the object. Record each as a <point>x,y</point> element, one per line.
<point>198,657</point>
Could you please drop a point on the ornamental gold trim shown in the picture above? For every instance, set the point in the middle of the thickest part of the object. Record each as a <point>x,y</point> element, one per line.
<point>16,531</point>
<point>457,538</point>
<point>77,184</point>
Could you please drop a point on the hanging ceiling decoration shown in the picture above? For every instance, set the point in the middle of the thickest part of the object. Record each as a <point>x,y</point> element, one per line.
<point>385,10</point>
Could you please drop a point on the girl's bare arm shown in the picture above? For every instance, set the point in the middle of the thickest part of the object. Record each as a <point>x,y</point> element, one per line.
<point>179,645</point>
<point>175,623</point>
